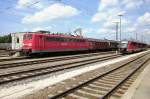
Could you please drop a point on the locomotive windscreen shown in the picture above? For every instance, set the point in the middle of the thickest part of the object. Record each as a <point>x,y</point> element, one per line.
<point>27,37</point>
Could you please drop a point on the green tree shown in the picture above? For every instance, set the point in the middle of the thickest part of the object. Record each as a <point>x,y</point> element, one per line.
<point>5,39</point>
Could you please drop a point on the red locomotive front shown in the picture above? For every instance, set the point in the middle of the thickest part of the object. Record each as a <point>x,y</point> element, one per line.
<point>27,43</point>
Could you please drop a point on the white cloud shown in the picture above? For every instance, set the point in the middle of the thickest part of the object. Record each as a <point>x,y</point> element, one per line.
<point>108,9</point>
<point>48,28</point>
<point>142,24</point>
<point>109,24</point>
<point>125,21</point>
<point>105,30</point>
<point>108,15</point>
<point>87,30</point>
<point>131,4</point>
<point>112,23</point>
<point>102,30</point>
<point>107,3</point>
<point>99,17</point>
<point>144,20</point>
<point>105,33</point>
<point>54,11</point>
<point>130,30</point>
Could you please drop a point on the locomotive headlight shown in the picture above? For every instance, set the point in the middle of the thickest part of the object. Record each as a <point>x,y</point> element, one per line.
<point>30,44</point>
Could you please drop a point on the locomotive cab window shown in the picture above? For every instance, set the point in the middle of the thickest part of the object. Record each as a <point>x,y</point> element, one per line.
<point>27,37</point>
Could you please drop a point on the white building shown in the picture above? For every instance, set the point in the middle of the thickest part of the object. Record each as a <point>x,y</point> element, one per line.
<point>17,40</point>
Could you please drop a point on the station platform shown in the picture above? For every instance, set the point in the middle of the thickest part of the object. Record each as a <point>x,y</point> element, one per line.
<point>141,87</point>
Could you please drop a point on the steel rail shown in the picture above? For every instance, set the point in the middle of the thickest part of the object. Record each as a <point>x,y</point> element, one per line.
<point>27,57</point>
<point>47,70</point>
<point>66,92</point>
<point>11,65</point>
<point>124,80</point>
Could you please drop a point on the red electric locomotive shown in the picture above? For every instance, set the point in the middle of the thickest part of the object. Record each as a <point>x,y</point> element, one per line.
<point>132,46</point>
<point>41,42</point>
<point>38,42</point>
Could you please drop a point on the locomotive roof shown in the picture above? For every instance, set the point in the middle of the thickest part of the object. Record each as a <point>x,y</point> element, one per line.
<point>70,36</point>
<point>55,35</point>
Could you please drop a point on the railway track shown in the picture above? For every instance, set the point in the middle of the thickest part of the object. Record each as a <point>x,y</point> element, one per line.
<point>24,58</point>
<point>4,53</point>
<point>51,59</point>
<point>19,75</point>
<point>12,58</point>
<point>111,84</point>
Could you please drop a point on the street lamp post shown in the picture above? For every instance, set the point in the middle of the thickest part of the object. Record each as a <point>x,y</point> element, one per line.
<point>116,22</point>
<point>120,15</point>
<point>136,37</point>
<point>117,30</point>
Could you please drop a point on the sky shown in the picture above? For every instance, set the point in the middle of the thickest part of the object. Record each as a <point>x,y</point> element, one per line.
<point>97,18</point>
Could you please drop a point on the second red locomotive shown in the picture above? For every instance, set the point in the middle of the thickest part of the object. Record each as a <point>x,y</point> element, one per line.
<point>132,46</point>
